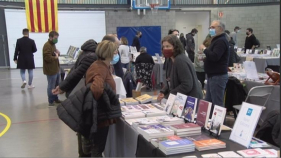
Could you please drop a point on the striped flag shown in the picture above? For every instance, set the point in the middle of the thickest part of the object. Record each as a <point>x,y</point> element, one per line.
<point>42,15</point>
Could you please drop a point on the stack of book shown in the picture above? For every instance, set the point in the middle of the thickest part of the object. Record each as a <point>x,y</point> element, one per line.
<point>130,101</point>
<point>209,144</point>
<point>168,120</point>
<point>170,147</point>
<point>142,121</point>
<point>229,154</point>
<point>132,111</point>
<point>213,155</point>
<point>186,129</point>
<point>159,106</point>
<point>150,110</point>
<point>154,131</point>
<point>144,99</point>
<point>156,141</point>
<point>121,103</point>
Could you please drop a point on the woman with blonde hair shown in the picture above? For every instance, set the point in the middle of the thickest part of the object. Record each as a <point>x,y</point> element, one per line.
<point>98,74</point>
<point>125,53</point>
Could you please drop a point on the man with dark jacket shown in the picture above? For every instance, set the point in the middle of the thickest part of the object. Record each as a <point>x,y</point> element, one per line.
<point>216,63</point>
<point>190,44</point>
<point>51,66</point>
<point>233,57</point>
<point>250,41</point>
<point>136,41</point>
<point>23,57</point>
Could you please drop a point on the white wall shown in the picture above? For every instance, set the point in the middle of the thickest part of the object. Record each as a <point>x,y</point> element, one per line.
<point>75,27</point>
<point>186,21</point>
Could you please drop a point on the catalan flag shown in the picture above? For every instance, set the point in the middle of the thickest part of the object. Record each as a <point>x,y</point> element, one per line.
<point>42,15</point>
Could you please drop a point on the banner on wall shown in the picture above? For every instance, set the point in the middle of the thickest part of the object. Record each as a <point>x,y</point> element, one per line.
<point>41,15</point>
<point>151,37</point>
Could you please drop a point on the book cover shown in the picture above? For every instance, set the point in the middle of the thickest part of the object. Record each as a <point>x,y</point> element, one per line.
<point>190,108</point>
<point>170,103</point>
<point>217,119</point>
<point>185,126</point>
<point>144,98</point>
<point>229,154</point>
<point>180,100</point>
<point>203,112</point>
<point>199,137</point>
<point>175,143</point>
<point>130,101</point>
<point>211,156</point>
<point>245,124</point>
<point>271,153</point>
<point>208,142</point>
<point>155,141</point>
<point>155,128</point>
<point>252,152</point>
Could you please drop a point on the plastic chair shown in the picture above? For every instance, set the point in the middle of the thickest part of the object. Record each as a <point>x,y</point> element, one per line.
<point>258,91</point>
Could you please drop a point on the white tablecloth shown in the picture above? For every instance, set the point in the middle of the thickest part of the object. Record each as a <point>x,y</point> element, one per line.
<point>120,89</point>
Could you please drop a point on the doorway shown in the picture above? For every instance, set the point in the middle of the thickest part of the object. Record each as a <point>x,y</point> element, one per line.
<point>186,21</point>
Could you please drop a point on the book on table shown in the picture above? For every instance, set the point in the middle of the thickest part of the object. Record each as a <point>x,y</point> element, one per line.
<point>145,98</point>
<point>179,104</point>
<point>168,120</point>
<point>130,101</point>
<point>245,124</point>
<point>170,147</point>
<point>217,120</point>
<point>213,155</point>
<point>186,129</point>
<point>159,106</point>
<point>209,144</point>
<point>155,141</point>
<point>190,108</point>
<point>170,103</point>
<point>252,152</point>
<point>154,131</point>
<point>257,143</point>
<point>152,111</point>
<point>130,115</point>
<point>142,121</point>
<point>203,113</point>
<point>231,154</point>
<point>131,108</point>
<point>198,137</point>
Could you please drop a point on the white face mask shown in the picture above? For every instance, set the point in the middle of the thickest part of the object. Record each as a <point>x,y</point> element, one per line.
<point>178,36</point>
<point>238,31</point>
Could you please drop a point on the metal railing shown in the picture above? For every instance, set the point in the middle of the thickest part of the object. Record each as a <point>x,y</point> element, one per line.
<point>173,2</point>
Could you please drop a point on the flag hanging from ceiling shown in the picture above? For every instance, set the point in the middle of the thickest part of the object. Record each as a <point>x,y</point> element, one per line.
<point>42,15</point>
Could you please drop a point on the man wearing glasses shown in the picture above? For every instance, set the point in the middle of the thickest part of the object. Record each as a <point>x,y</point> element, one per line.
<point>216,63</point>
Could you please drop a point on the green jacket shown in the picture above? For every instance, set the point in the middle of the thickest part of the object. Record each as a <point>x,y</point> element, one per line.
<point>50,62</point>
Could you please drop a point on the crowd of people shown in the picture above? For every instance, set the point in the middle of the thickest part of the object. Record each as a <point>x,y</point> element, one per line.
<point>184,69</point>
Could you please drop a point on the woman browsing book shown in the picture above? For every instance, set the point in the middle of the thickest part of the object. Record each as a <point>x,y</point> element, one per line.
<point>182,77</point>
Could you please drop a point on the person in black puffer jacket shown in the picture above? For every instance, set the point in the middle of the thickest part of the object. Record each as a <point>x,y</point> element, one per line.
<point>78,71</point>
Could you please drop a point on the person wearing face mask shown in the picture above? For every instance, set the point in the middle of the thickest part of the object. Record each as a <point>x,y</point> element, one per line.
<point>136,41</point>
<point>51,67</point>
<point>250,41</point>
<point>216,63</point>
<point>190,44</point>
<point>98,74</point>
<point>234,34</point>
<point>116,62</point>
<point>23,57</point>
<point>182,77</point>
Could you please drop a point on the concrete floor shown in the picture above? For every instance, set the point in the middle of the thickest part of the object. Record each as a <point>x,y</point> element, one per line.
<point>36,130</point>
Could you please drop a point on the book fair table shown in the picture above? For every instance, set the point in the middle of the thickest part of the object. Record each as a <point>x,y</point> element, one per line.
<point>123,140</point>
<point>262,61</point>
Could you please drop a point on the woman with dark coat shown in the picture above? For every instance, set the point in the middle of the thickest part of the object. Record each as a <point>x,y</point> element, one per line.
<point>233,57</point>
<point>182,77</point>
